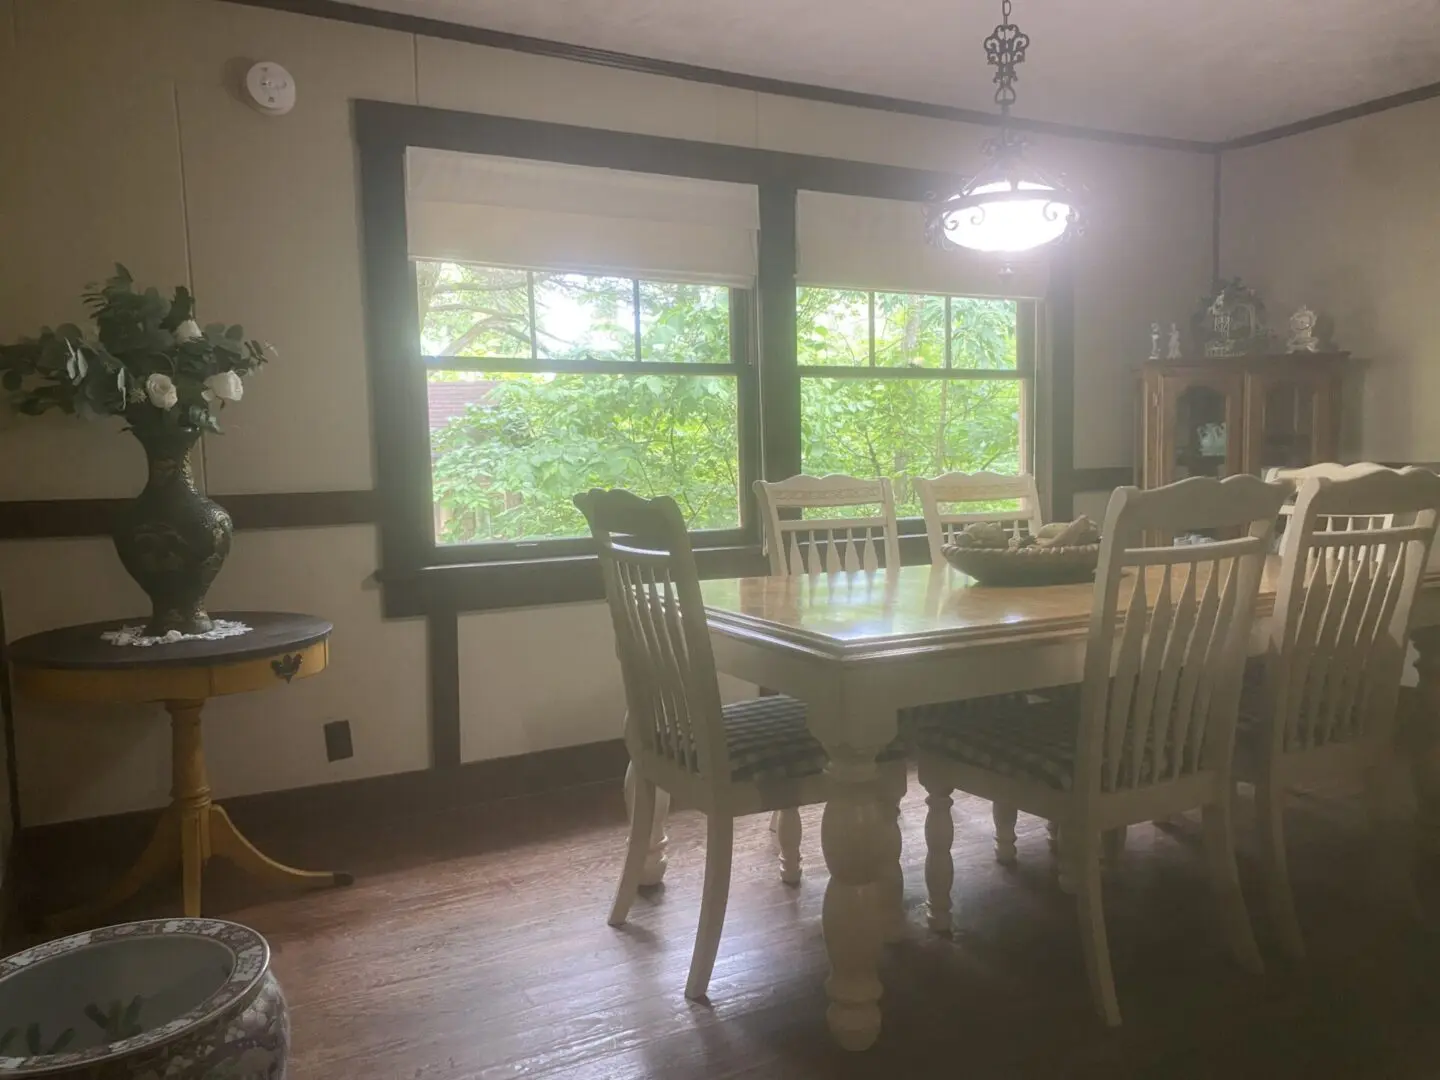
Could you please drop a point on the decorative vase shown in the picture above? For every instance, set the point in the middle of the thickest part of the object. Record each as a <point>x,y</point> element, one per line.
<point>172,539</point>
<point>165,999</point>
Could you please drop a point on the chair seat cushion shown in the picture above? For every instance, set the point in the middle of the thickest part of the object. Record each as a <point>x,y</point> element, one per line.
<point>768,741</point>
<point>1026,742</point>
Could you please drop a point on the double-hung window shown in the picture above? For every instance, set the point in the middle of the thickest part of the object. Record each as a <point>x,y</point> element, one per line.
<point>579,328</point>
<point>912,362</point>
<point>542,320</point>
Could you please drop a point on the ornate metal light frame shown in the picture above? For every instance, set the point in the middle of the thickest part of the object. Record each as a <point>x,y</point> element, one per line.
<point>1010,205</point>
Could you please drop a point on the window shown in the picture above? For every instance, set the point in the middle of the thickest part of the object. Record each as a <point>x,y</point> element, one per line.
<point>549,310</point>
<point>908,384</point>
<point>542,384</point>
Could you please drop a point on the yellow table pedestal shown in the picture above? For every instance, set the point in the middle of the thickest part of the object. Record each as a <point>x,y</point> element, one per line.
<point>64,665</point>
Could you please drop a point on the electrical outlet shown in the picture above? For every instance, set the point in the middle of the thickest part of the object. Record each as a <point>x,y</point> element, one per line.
<point>338,745</point>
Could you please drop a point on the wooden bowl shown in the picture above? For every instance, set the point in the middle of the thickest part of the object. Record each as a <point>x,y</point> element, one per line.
<point>1026,566</point>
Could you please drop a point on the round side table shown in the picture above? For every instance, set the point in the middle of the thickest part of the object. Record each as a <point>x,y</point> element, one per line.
<point>75,664</point>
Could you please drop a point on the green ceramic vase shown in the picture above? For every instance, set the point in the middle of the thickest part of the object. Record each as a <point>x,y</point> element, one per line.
<point>172,539</point>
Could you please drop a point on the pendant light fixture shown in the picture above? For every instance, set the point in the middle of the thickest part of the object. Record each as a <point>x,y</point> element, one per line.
<point>1009,206</point>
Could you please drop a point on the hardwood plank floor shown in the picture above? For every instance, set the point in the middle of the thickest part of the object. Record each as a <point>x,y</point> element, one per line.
<point>474,946</point>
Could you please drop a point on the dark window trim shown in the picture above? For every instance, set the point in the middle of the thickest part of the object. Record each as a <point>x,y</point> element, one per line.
<point>414,582</point>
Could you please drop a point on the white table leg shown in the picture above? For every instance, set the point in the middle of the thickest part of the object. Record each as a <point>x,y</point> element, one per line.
<point>860,840</point>
<point>897,928</point>
<point>655,859</point>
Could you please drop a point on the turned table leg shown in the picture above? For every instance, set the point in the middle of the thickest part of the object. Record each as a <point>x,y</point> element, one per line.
<point>190,796</point>
<point>859,839</point>
<point>1422,741</point>
<point>191,830</point>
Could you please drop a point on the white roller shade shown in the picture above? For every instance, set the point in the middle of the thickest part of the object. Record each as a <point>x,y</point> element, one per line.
<point>846,241</point>
<point>537,215</point>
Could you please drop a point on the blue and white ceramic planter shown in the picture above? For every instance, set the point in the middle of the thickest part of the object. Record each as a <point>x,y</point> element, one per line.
<point>166,999</point>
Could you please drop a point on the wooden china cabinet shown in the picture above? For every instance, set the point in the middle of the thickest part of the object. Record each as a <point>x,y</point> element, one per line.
<point>1227,415</point>
<point>1218,417</point>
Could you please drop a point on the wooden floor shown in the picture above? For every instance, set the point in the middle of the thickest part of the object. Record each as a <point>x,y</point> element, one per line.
<point>474,945</point>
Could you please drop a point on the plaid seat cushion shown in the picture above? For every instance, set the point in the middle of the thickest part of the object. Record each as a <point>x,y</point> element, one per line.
<point>912,719</point>
<point>768,741</point>
<point>1028,742</point>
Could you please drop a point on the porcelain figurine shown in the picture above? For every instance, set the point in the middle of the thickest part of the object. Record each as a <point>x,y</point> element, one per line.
<point>1302,332</point>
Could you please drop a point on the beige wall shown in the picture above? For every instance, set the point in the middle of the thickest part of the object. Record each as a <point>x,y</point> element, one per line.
<point>129,142</point>
<point>1346,219</point>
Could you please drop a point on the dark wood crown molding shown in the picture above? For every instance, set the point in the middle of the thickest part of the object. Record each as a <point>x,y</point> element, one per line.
<point>560,50</point>
<point>1339,116</point>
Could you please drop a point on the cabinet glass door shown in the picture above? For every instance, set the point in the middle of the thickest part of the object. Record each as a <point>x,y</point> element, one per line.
<point>1201,433</point>
<point>1289,425</point>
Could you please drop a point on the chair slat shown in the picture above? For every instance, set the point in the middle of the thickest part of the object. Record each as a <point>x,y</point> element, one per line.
<point>1216,667</point>
<point>1385,584</point>
<point>1122,685</point>
<point>1171,667</point>
<point>1153,650</point>
<point>1347,643</point>
<point>1193,669</point>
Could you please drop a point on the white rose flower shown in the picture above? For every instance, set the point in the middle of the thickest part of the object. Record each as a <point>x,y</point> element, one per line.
<point>160,389</point>
<point>189,330</point>
<point>226,386</point>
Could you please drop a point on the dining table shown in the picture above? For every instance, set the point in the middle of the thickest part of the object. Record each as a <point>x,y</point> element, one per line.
<point>858,647</point>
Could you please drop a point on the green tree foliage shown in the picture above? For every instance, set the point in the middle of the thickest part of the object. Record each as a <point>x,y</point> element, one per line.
<point>506,468</point>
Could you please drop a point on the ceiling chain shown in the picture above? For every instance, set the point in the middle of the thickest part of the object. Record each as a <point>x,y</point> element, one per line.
<point>1005,51</point>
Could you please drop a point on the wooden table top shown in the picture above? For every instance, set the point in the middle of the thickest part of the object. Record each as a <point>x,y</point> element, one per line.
<point>80,648</point>
<point>856,615</point>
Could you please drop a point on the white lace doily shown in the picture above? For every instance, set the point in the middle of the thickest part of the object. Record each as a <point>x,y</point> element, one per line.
<point>135,635</point>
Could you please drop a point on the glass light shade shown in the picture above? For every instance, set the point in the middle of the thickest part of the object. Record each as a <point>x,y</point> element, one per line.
<point>1004,216</point>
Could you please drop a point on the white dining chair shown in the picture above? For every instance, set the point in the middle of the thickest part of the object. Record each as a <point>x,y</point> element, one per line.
<point>727,761</point>
<point>1325,711</point>
<point>955,490</point>
<point>1153,730</point>
<point>818,545</point>
<point>1329,470</point>
<point>798,546</point>
<point>941,501</point>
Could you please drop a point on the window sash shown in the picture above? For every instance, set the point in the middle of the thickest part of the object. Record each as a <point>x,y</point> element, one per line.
<point>1024,343</point>
<point>741,367</point>
<point>1027,313</point>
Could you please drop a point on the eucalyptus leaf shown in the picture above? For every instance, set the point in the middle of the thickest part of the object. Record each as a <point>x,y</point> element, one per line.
<point>182,307</point>
<point>133,339</point>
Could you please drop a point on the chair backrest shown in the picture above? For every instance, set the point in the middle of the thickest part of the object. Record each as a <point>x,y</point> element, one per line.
<point>1160,700</point>
<point>671,690</point>
<point>1327,470</point>
<point>1342,606</point>
<point>819,545</point>
<point>958,489</point>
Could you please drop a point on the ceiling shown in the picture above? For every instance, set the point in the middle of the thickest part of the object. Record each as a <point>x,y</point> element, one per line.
<point>1208,70</point>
